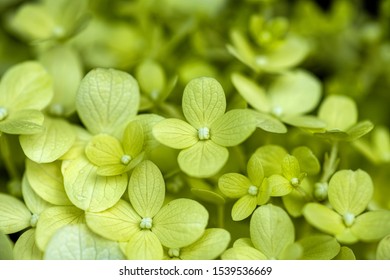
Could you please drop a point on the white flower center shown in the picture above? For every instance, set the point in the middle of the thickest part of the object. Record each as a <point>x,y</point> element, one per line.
<point>57,109</point>
<point>203,133</point>
<point>261,60</point>
<point>34,220</point>
<point>174,252</point>
<point>125,159</point>
<point>3,113</point>
<point>146,223</point>
<point>253,190</point>
<point>349,218</point>
<point>277,111</point>
<point>294,181</point>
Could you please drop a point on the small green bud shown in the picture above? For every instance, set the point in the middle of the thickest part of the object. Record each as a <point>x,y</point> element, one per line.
<point>146,223</point>
<point>204,133</point>
<point>348,218</point>
<point>125,159</point>
<point>253,190</point>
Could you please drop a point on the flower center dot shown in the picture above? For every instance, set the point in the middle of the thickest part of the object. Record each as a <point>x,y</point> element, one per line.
<point>277,111</point>
<point>203,133</point>
<point>125,159</point>
<point>3,113</point>
<point>349,218</point>
<point>253,190</point>
<point>174,252</point>
<point>294,181</point>
<point>34,220</point>
<point>57,109</point>
<point>146,223</point>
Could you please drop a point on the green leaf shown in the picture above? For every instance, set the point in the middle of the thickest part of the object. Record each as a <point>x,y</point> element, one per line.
<point>350,191</point>
<point>33,201</point>
<point>244,207</point>
<point>117,223</point>
<point>319,247</point>
<point>54,218</point>
<point>175,133</point>
<point>271,157</point>
<point>26,247</point>
<point>144,245</point>
<point>323,218</point>
<point>383,249</point>
<point>203,102</point>
<point>25,86</point>
<point>23,122</point>
<point>234,185</point>
<point>213,243</point>
<point>372,226</point>
<point>233,128</point>
<point>47,181</point>
<point>308,162</point>
<point>271,230</point>
<point>104,149</point>
<point>89,191</point>
<point>180,223</point>
<point>6,246</point>
<point>50,144</point>
<point>146,189</point>
<point>77,242</point>
<point>204,159</point>
<point>107,100</point>
<point>14,215</point>
<point>339,112</point>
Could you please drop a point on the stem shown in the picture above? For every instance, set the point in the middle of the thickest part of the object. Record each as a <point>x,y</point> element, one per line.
<point>330,163</point>
<point>221,215</point>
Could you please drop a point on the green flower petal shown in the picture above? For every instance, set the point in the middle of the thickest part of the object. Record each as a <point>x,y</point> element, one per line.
<point>264,193</point>
<point>213,243</point>
<point>144,245</point>
<point>350,191</point>
<point>290,167</point>
<point>323,218</point>
<point>244,207</point>
<point>319,247</point>
<point>347,236</point>
<point>133,139</point>
<point>33,202</point>
<point>234,185</point>
<point>118,223</point>
<point>180,223</point>
<point>308,122</point>
<point>359,130</point>
<point>308,162</point>
<point>203,102</point>
<point>175,133</point>
<point>233,128</point>
<point>255,170</point>
<point>151,77</point>
<point>243,253</point>
<point>146,189</point>
<point>269,123</point>
<point>54,218</point>
<point>7,247</point>
<point>148,121</point>
<point>372,226</point>
<point>23,122</point>
<point>26,86</point>
<point>279,185</point>
<point>89,191</point>
<point>383,249</point>
<point>104,149</point>
<point>271,157</point>
<point>107,100</point>
<point>47,181</point>
<point>26,247</point>
<point>204,159</point>
<point>14,215</point>
<point>271,230</point>
<point>77,242</point>
<point>297,199</point>
<point>345,254</point>
<point>50,144</point>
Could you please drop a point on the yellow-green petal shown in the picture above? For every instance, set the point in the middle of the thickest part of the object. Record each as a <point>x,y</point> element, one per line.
<point>7,247</point>
<point>133,139</point>
<point>146,189</point>
<point>26,247</point>
<point>323,218</point>
<point>118,223</point>
<point>23,122</point>
<point>104,149</point>
<point>234,185</point>
<point>290,167</point>
<point>279,185</point>
<point>271,157</point>
<point>32,200</point>
<point>148,121</point>
<point>14,215</point>
<point>383,249</point>
<point>203,102</point>
<point>244,207</point>
<point>204,159</point>
<point>243,253</point>
<point>255,170</point>
<point>269,123</point>
<point>345,254</point>
<point>233,128</point>
<point>308,122</point>
<point>308,162</point>
<point>175,133</point>
<point>180,222</point>
<point>144,245</point>
<point>319,247</point>
<point>372,225</point>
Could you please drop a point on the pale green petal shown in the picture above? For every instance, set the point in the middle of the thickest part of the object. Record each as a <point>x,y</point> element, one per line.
<point>242,49</point>
<point>26,247</point>
<point>271,230</point>
<point>372,226</point>
<point>23,122</point>
<point>6,246</point>
<point>253,93</point>
<point>213,243</point>
<point>118,223</point>
<point>319,247</point>
<point>291,252</point>
<point>323,218</point>
<point>104,149</point>
<point>89,191</point>
<point>350,191</point>
<point>279,185</point>
<point>234,185</point>
<point>78,148</point>
<point>175,133</point>
<point>146,189</point>
<point>205,191</point>
<point>308,122</point>
<point>54,218</point>
<point>33,201</point>
<point>233,128</point>
<point>290,167</point>
<point>77,242</point>
<point>47,146</point>
<point>271,157</point>
<point>359,130</point>
<point>294,93</point>
<point>339,112</point>
<point>383,249</point>
<point>14,215</point>
<point>308,162</point>
<point>264,193</point>
<point>243,241</point>
<point>47,181</point>
<point>26,85</point>
<point>133,139</point>
<point>148,121</point>
<point>107,100</point>
<point>345,254</point>
<point>297,199</point>
<point>255,170</point>
<point>243,253</point>
<point>269,123</point>
<point>204,159</point>
<point>347,236</point>
<point>203,102</point>
<point>244,207</point>
<point>180,222</point>
<point>144,245</point>
<point>151,78</point>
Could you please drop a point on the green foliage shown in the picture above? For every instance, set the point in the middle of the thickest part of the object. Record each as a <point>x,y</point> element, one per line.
<point>162,130</point>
